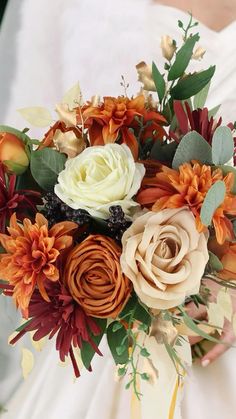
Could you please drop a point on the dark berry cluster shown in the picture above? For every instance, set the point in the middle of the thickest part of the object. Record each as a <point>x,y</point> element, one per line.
<point>117,223</point>
<point>55,211</point>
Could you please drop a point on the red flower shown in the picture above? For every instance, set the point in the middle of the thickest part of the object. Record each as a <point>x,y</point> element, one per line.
<point>63,317</point>
<point>22,202</point>
<point>197,120</point>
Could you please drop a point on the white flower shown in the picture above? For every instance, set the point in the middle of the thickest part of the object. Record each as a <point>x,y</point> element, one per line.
<point>168,47</point>
<point>100,177</point>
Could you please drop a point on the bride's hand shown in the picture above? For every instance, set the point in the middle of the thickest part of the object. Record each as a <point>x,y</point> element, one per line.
<point>227,336</point>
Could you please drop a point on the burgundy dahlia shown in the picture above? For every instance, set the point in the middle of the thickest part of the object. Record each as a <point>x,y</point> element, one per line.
<point>61,316</point>
<point>22,202</point>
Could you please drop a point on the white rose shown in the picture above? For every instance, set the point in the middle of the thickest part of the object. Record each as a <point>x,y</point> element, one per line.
<point>164,256</point>
<point>100,177</point>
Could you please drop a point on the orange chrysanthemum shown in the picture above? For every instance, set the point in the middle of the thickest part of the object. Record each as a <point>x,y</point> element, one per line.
<point>116,119</point>
<point>188,186</point>
<point>32,254</point>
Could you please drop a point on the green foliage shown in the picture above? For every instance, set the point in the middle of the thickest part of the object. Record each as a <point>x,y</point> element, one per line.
<point>159,82</point>
<point>183,57</point>
<point>134,310</point>
<point>193,326</point>
<point>163,152</point>
<point>118,342</point>
<point>222,145</point>
<point>87,352</point>
<point>215,262</point>
<point>190,85</point>
<point>200,98</point>
<point>45,166</point>
<point>213,199</point>
<point>192,147</point>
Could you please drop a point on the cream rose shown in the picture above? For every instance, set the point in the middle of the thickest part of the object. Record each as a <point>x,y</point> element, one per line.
<point>100,177</point>
<point>164,256</point>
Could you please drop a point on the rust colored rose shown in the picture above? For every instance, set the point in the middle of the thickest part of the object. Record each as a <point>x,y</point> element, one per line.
<point>227,255</point>
<point>12,151</point>
<point>94,277</point>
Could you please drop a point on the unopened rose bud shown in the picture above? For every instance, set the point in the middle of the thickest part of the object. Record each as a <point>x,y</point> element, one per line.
<point>145,76</point>
<point>66,115</point>
<point>68,143</point>
<point>198,53</point>
<point>13,153</point>
<point>168,47</point>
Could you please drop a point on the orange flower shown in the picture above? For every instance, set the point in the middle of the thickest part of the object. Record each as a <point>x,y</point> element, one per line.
<point>188,186</point>
<point>116,120</point>
<point>227,255</point>
<point>12,151</point>
<point>31,257</point>
<point>94,277</point>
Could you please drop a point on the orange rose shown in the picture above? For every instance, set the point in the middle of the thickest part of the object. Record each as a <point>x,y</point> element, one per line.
<point>227,255</point>
<point>94,278</point>
<point>12,152</point>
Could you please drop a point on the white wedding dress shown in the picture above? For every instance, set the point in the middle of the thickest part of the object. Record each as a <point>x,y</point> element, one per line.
<point>46,46</point>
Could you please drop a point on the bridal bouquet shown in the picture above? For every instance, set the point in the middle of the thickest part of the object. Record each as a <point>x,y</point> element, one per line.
<point>119,217</point>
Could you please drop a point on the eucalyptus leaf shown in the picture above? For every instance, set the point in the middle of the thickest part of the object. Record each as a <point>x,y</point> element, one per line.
<point>183,57</point>
<point>192,147</point>
<point>215,262</point>
<point>213,199</point>
<point>159,82</point>
<point>222,145</point>
<point>200,98</point>
<point>45,166</point>
<point>192,84</point>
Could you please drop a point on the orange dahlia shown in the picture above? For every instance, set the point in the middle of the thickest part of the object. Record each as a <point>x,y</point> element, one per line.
<point>188,186</point>
<point>116,119</point>
<point>32,255</point>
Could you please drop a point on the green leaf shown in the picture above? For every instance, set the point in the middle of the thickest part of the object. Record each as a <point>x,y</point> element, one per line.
<point>133,310</point>
<point>144,352</point>
<point>87,351</point>
<point>163,152</point>
<point>122,372</point>
<point>20,328</point>
<point>200,98</point>
<point>192,84</point>
<point>213,199</point>
<point>119,351</point>
<point>159,82</point>
<point>144,376</point>
<point>215,262</point>
<point>183,57</point>
<point>45,166</point>
<point>213,111</point>
<point>190,323</point>
<point>192,147</point>
<point>222,145</point>
<point>229,169</point>
<point>116,326</point>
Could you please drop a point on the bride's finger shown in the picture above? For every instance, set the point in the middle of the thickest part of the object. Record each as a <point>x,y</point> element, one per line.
<point>219,349</point>
<point>195,312</point>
